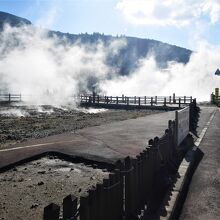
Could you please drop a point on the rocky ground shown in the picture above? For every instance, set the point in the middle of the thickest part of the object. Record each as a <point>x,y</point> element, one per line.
<point>20,123</point>
<point>27,189</point>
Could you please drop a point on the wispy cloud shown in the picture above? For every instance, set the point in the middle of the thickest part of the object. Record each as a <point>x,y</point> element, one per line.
<point>169,12</point>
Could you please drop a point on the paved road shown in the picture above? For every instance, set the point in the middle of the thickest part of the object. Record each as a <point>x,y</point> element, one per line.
<point>106,143</point>
<point>203,199</point>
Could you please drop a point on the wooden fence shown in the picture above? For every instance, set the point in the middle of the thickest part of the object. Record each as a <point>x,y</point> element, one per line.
<point>99,100</point>
<point>134,189</point>
<point>131,188</point>
<point>10,98</point>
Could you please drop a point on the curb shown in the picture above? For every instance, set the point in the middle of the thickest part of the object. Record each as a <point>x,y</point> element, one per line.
<point>176,195</point>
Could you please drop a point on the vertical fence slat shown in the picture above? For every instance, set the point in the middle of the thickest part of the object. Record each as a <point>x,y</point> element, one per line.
<point>51,212</point>
<point>69,207</point>
<point>84,208</point>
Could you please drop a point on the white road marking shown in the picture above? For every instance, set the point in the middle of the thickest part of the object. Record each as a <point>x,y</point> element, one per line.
<point>202,134</point>
<point>36,145</point>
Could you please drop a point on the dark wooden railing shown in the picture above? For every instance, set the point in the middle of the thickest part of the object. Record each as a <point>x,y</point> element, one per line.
<point>134,188</point>
<point>10,98</point>
<point>138,101</point>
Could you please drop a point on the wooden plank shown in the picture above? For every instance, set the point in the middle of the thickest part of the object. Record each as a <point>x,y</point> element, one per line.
<point>51,212</point>
<point>69,207</point>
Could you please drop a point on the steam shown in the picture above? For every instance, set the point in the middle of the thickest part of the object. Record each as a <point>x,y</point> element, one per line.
<point>196,78</point>
<point>50,70</point>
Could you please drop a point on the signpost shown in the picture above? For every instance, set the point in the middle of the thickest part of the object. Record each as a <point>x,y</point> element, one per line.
<point>182,125</point>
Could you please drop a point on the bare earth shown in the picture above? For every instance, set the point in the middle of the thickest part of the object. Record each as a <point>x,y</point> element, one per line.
<point>27,189</point>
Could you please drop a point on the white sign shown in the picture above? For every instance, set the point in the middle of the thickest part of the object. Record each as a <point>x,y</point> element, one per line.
<point>182,124</point>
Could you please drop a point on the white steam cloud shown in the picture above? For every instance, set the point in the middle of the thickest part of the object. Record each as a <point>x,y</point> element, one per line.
<point>52,72</point>
<point>196,78</point>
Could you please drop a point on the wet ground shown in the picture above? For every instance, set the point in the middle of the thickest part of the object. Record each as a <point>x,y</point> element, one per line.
<point>27,189</point>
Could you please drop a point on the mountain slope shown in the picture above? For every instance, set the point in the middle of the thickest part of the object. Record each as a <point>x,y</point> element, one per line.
<point>12,20</point>
<point>127,58</point>
<point>136,49</point>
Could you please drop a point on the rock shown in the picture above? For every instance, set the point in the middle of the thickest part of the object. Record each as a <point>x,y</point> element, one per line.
<point>21,179</point>
<point>34,206</point>
<point>41,172</point>
<point>40,183</point>
<point>92,178</point>
<point>79,190</point>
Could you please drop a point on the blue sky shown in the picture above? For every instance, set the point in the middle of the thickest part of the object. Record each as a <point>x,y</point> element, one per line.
<point>183,22</point>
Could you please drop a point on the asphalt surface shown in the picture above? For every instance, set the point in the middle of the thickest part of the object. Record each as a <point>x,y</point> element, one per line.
<point>203,198</point>
<point>105,143</point>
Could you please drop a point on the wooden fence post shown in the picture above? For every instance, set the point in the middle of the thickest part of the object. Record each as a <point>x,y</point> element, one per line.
<point>84,208</point>
<point>135,100</point>
<point>121,206</point>
<point>93,97</point>
<point>106,200</point>
<point>130,189</point>
<point>100,202</point>
<point>98,99</point>
<point>151,101</point>
<point>190,99</point>
<point>92,204</point>
<point>51,212</point>
<point>179,102</point>
<point>174,98</point>
<point>170,99</point>
<point>145,100</point>
<point>127,100</point>
<point>69,207</point>
<point>122,98</point>
<point>184,99</point>
<point>165,101</point>
<point>90,99</point>
<point>156,100</point>
<point>139,101</point>
<point>9,97</point>
<point>107,100</point>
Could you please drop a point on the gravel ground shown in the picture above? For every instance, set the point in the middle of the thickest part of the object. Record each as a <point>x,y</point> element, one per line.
<point>20,123</point>
<point>27,189</point>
